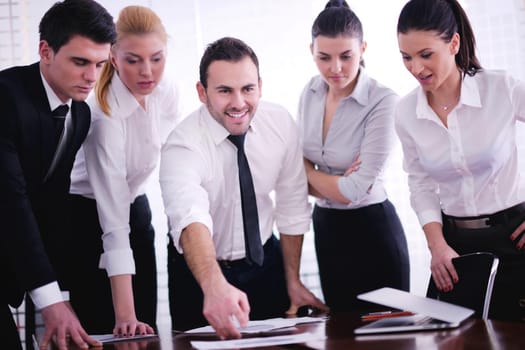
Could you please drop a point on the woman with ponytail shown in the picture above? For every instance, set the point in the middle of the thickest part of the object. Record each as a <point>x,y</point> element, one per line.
<point>458,132</point>
<point>133,110</point>
<point>346,120</point>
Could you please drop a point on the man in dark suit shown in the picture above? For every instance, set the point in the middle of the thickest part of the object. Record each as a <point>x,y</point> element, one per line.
<point>36,161</point>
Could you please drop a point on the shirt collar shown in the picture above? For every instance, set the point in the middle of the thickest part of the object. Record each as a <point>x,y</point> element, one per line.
<point>217,131</point>
<point>360,93</point>
<point>470,92</point>
<point>52,98</point>
<point>122,100</point>
<point>469,97</point>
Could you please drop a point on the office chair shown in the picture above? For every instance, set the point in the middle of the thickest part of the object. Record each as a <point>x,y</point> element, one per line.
<point>476,272</point>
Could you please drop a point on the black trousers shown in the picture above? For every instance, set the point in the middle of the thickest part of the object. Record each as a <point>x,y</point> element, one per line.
<point>508,296</point>
<point>10,336</point>
<point>90,288</point>
<point>265,287</point>
<point>359,250</point>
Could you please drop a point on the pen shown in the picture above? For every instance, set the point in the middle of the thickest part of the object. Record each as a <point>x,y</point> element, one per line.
<point>385,314</point>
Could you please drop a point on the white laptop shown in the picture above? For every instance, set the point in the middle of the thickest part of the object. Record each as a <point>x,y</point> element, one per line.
<point>430,314</point>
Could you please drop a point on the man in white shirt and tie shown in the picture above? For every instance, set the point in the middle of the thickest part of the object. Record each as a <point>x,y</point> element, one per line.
<point>210,272</point>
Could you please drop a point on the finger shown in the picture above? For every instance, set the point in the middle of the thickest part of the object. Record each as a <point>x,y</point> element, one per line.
<point>149,329</point>
<point>242,317</point>
<point>217,321</point>
<point>436,275</point>
<point>349,171</point>
<point>319,305</point>
<point>517,231</point>
<point>125,330</point>
<point>44,343</point>
<point>243,312</point>
<point>77,339</point>
<point>453,273</point>
<point>521,243</point>
<point>226,329</point>
<point>444,278</point>
<point>292,310</point>
<point>231,330</point>
<point>140,328</point>
<point>132,327</point>
<point>89,341</point>
<point>60,339</point>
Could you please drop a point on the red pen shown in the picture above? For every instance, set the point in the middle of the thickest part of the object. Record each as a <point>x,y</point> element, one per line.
<point>385,314</point>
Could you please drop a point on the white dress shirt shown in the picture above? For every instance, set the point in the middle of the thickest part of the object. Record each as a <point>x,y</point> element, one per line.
<point>363,125</point>
<point>118,157</point>
<point>200,182</point>
<point>471,167</point>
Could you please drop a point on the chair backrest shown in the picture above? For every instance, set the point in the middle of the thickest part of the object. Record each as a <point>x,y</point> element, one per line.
<point>476,273</point>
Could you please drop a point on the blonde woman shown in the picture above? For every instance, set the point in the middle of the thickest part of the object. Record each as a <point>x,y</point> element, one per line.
<point>133,110</point>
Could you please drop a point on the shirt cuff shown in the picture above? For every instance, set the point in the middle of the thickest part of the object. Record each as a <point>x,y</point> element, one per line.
<point>118,262</point>
<point>176,231</point>
<point>46,295</point>
<point>427,216</point>
<point>348,189</point>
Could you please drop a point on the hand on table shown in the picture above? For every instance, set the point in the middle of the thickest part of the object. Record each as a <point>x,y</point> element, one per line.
<point>222,303</point>
<point>130,327</point>
<point>301,296</point>
<point>62,326</point>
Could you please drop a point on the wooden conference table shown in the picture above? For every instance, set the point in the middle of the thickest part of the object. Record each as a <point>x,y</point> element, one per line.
<point>473,334</point>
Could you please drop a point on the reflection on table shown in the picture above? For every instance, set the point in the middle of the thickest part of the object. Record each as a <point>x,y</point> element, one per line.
<point>473,334</point>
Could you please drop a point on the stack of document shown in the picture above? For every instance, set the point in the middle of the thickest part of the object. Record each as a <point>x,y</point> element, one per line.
<point>261,326</point>
<point>267,327</point>
<point>110,338</point>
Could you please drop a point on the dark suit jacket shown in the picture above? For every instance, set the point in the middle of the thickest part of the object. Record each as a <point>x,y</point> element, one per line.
<point>33,212</point>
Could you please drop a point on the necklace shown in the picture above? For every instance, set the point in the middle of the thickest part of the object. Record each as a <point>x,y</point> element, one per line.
<point>445,107</point>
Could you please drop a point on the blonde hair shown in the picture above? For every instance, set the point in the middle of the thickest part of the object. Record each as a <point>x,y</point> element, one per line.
<point>131,20</point>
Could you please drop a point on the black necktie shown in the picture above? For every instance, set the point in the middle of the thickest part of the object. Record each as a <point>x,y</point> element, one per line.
<point>59,116</point>
<point>252,237</point>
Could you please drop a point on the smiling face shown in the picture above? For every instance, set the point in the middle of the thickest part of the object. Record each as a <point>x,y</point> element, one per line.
<point>72,71</point>
<point>140,61</point>
<point>429,58</point>
<point>232,94</point>
<point>338,60</point>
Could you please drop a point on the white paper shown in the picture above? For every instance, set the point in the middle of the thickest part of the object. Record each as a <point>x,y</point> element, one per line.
<point>110,338</point>
<point>257,342</point>
<point>260,326</point>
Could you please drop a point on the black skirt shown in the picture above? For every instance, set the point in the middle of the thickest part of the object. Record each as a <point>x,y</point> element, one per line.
<point>359,250</point>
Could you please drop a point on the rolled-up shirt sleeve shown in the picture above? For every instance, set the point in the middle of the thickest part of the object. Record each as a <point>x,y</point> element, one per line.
<point>292,209</point>
<point>375,148</point>
<point>182,171</point>
<point>105,155</point>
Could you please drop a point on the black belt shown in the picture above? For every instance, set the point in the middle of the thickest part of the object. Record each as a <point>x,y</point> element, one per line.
<point>485,221</point>
<point>229,264</point>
